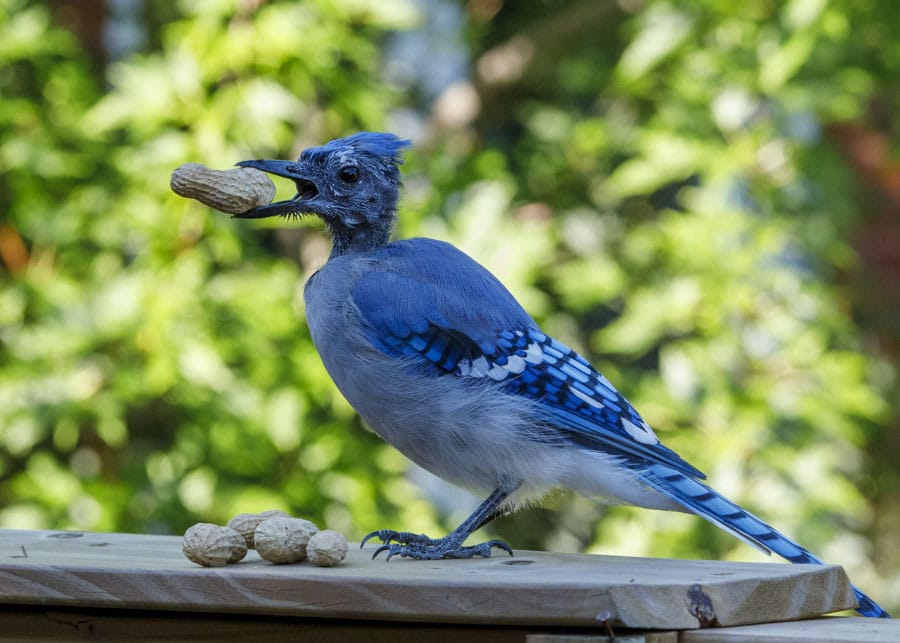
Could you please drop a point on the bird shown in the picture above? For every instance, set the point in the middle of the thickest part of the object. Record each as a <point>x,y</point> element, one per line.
<point>442,362</point>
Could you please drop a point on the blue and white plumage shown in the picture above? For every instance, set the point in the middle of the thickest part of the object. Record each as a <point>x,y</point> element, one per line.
<point>442,362</point>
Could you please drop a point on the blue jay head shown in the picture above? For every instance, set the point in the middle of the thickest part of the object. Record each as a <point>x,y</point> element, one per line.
<point>352,183</point>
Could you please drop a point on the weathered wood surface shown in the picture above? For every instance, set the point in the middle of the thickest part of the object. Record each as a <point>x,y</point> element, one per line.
<point>820,630</point>
<point>128,571</point>
<point>122,626</point>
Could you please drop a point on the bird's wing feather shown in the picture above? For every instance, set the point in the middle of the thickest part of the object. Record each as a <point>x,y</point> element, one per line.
<point>426,300</point>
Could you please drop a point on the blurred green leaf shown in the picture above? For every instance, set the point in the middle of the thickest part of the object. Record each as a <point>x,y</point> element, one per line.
<point>665,187</point>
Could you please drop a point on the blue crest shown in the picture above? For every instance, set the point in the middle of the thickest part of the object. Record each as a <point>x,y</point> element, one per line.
<point>381,145</point>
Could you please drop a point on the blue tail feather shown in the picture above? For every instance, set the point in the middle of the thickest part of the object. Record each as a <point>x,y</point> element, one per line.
<point>700,499</point>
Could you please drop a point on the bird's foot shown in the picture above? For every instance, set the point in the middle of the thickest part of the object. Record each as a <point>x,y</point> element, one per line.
<point>421,547</point>
<point>402,537</point>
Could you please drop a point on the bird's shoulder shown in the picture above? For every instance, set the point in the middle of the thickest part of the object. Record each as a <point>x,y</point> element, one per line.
<point>415,283</point>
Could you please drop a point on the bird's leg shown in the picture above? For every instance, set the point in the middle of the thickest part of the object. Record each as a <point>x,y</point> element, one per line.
<point>421,547</point>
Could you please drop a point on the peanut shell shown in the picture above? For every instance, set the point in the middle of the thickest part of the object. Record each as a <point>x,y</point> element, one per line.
<point>326,548</point>
<point>246,524</point>
<point>283,540</point>
<point>213,546</point>
<point>233,191</point>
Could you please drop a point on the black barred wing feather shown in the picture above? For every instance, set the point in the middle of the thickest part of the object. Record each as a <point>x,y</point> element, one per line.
<point>573,396</point>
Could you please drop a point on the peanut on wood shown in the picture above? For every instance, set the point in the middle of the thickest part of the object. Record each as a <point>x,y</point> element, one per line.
<point>246,524</point>
<point>213,546</point>
<point>283,540</point>
<point>326,548</point>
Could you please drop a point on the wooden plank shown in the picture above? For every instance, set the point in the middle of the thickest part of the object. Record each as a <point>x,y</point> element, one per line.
<point>57,624</point>
<point>131,571</point>
<point>627,637</point>
<point>60,624</point>
<point>820,630</point>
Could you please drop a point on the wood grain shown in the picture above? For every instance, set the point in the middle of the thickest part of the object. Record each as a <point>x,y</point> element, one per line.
<point>133,571</point>
<point>820,630</point>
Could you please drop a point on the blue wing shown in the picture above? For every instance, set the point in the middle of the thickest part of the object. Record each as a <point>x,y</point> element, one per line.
<point>450,313</point>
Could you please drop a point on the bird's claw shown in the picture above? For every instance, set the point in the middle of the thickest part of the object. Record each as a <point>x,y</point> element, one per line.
<point>421,547</point>
<point>383,548</point>
<point>402,537</point>
<point>499,544</point>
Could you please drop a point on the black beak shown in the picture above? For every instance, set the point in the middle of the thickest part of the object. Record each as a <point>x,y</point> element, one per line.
<point>293,170</point>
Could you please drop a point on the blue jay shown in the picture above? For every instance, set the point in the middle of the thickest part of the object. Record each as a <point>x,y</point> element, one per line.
<point>443,363</point>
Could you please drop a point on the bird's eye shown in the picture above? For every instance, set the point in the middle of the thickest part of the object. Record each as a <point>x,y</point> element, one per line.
<point>349,174</point>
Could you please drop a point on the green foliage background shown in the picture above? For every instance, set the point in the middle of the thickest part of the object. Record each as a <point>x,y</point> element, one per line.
<point>656,182</point>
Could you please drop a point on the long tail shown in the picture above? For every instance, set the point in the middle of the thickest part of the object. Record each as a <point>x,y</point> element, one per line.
<point>703,501</point>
